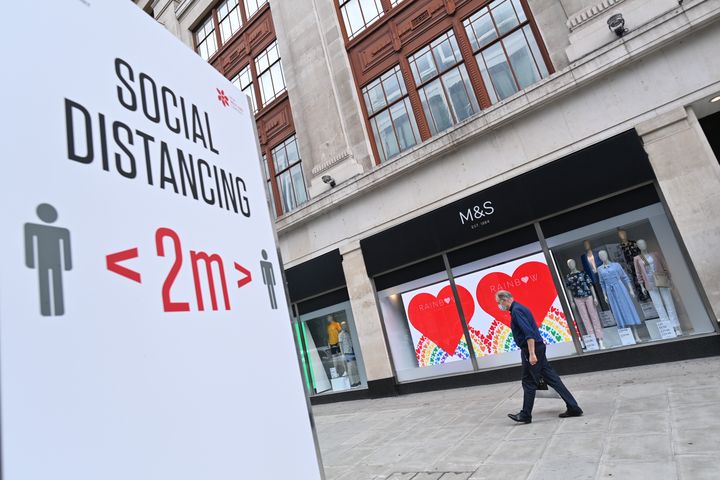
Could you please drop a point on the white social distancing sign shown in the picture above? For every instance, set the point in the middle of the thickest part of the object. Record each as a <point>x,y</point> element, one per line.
<point>144,330</point>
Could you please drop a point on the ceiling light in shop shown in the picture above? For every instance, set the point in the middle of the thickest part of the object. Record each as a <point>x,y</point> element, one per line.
<point>715,99</point>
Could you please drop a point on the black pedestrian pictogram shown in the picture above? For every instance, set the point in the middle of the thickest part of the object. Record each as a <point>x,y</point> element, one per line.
<point>47,249</point>
<point>268,278</point>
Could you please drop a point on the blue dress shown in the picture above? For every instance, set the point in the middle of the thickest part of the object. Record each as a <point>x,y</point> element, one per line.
<point>613,281</point>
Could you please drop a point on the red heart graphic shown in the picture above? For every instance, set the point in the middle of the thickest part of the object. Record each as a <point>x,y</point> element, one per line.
<point>531,285</point>
<point>437,317</point>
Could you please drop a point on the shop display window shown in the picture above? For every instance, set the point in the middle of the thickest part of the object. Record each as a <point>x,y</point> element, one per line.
<point>626,281</point>
<point>524,272</point>
<point>331,356</point>
<point>422,322</point>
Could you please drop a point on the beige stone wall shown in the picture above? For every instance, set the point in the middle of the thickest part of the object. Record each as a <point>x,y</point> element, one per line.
<point>689,177</point>
<point>329,127</point>
<point>366,314</point>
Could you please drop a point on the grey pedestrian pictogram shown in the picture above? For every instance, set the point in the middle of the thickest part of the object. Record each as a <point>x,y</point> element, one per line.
<point>47,249</point>
<point>268,278</point>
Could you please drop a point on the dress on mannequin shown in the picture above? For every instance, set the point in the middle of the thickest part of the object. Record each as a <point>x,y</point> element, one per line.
<point>613,280</point>
<point>580,286</point>
<point>591,264</point>
<point>631,250</point>
<point>646,266</point>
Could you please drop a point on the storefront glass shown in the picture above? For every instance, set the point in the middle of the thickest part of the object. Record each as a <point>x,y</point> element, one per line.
<point>525,273</point>
<point>331,356</point>
<point>608,275</point>
<point>626,281</point>
<point>423,323</point>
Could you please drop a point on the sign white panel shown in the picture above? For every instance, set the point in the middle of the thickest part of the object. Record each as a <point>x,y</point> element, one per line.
<point>590,342</point>
<point>145,332</point>
<point>666,329</point>
<point>626,336</point>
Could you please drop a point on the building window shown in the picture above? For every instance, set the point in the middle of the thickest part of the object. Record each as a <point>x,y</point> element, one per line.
<point>289,175</point>
<point>270,74</point>
<point>505,48</point>
<point>205,39</point>
<point>229,19</point>
<point>359,14</point>
<point>252,6</point>
<point>243,81</point>
<point>443,83</point>
<point>391,115</point>
<point>268,179</point>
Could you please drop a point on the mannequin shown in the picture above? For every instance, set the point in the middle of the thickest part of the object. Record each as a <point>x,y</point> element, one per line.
<point>630,251</point>
<point>583,298</point>
<point>617,290</point>
<point>590,262</point>
<point>654,278</point>
<point>346,347</point>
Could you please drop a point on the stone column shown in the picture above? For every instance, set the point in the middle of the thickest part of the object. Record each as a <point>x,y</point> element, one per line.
<point>325,105</point>
<point>367,321</point>
<point>689,177</point>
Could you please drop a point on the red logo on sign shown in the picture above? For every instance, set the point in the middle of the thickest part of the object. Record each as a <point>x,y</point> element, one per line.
<point>222,97</point>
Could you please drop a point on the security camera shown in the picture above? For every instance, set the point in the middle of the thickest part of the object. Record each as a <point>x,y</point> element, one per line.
<point>329,180</point>
<point>616,24</point>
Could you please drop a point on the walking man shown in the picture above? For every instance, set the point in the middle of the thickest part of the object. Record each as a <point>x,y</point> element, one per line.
<point>534,362</point>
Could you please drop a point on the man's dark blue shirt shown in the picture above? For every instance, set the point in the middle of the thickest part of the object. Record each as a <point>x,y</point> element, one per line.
<point>523,325</point>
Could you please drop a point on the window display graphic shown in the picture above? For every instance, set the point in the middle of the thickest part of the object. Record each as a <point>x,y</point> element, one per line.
<point>435,322</point>
<point>435,325</point>
<point>530,281</point>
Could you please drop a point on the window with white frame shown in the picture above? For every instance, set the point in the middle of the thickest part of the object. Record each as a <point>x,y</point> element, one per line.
<point>289,175</point>
<point>391,114</point>
<point>270,74</point>
<point>443,83</point>
<point>205,41</point>
<point>505,48</point>
<point>359,14</point>
<point>243,81</point>
<point>252,6</point>
<point>228,13</point>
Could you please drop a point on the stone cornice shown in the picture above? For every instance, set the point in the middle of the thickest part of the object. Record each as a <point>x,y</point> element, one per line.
<point>588,14</point>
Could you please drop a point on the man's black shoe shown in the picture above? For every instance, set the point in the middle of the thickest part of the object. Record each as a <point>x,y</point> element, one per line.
<point>571,413</point>
<point>519,417</point>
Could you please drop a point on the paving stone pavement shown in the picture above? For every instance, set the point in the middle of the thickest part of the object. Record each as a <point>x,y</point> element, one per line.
<point>653,422</point>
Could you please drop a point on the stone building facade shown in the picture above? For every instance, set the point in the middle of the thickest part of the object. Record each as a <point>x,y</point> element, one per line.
<point>417,148</point>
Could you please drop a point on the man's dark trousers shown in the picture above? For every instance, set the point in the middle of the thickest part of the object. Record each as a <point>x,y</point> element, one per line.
<point>533,373</point>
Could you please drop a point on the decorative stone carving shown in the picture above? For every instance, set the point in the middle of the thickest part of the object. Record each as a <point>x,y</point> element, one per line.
<point>588,14</point>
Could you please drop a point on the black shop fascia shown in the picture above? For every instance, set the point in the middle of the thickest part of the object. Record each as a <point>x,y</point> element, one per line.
<point>605,179</point>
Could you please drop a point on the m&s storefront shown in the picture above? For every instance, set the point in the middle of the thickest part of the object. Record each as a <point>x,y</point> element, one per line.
<point>585,242</point>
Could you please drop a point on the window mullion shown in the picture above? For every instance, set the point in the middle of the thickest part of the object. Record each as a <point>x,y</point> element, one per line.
<point>273,181</point>
<point>243,13</point>
<point>538,38</point>
<point>412,89</point>
<point>471,65</point>
<point>218,37</point>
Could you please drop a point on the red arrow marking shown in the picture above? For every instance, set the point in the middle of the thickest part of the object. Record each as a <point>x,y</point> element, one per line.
<point>247,278</point>
<point>114,258</point>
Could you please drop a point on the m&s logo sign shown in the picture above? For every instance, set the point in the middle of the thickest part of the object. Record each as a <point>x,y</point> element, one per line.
<point>477,214</point>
